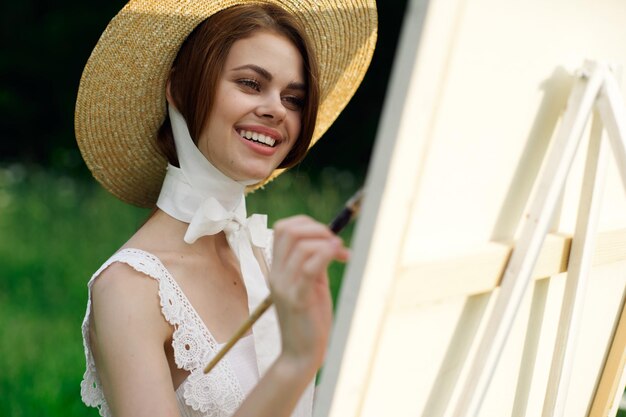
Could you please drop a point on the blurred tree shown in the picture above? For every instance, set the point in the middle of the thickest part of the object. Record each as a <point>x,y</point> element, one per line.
<point>44,46</point>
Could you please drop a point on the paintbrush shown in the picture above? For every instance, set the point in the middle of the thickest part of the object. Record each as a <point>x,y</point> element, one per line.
<point>341,220</point>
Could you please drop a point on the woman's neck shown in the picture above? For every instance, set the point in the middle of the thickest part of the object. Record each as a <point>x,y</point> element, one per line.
<point>163,233</point>
<point>197,191</point>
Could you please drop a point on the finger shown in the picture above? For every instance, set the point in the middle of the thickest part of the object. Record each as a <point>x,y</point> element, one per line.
<point>285,235</point>
<point>314,267</point>
<point>302,250</point>
<point>288,231</point>
<point>293,281</point>
<point>343,254</point>
<point>316,264</point>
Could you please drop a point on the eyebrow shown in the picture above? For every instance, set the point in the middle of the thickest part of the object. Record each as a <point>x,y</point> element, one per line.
<point>266,75</point>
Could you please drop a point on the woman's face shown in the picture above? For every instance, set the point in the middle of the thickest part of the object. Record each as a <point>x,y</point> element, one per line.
<point>256,116</point>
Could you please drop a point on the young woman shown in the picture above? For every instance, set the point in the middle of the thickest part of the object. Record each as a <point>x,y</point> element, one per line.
<point>242,93</point>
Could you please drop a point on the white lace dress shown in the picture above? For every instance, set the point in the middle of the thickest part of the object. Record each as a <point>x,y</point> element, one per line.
<point>216,394</point>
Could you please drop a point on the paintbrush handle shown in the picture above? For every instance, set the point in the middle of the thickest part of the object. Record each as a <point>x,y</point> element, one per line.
<point>243,329</point>
<point>339,222</point>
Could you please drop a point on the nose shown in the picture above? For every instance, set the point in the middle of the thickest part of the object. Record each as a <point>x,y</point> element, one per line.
<point>272,107</point>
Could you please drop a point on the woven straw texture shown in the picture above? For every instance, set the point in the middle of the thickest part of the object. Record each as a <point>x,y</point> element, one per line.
<point>121,98</point>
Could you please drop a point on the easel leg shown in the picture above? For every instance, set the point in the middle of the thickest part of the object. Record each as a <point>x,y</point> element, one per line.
<point>613,113</point>
<point>611,384</point>
<point>583,246</point>
<point>606,398</point>
<point>517,275</point>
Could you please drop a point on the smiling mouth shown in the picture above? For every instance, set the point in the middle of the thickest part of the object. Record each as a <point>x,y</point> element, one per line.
<point>257,137</point>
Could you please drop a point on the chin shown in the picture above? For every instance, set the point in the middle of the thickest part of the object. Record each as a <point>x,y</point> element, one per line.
<point>257,172</point>
<point>253,177</point>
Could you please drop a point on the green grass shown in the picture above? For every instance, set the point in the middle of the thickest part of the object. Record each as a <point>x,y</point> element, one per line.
<point>55,232</point>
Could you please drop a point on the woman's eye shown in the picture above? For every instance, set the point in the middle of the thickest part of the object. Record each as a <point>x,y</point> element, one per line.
<point>250,83</point>
<point>293,102</point>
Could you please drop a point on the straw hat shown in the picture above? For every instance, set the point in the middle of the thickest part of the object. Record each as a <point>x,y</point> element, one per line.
<point>121,98</point>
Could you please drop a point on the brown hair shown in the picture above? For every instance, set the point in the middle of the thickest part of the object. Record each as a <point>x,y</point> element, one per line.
<point>200,61</point>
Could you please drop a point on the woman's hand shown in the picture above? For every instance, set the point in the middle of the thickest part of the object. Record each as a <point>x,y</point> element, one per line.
<point>303,249</point>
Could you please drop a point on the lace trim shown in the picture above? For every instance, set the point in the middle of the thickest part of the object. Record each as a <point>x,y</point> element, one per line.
<point>217,393</point>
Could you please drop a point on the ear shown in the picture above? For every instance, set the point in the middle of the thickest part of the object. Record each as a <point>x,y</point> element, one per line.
<point>168,91</point>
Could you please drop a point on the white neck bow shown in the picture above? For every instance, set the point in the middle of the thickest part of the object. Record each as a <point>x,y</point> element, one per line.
<point>211,202</point>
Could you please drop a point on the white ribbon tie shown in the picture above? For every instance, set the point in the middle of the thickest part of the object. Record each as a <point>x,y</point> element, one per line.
<point>199,194</point>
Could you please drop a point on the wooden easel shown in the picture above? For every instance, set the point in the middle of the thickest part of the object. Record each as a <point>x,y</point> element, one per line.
<point>595,89</point>
<point>475,99</point>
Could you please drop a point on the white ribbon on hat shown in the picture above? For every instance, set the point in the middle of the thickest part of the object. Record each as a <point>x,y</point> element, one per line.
<point>199,194</point>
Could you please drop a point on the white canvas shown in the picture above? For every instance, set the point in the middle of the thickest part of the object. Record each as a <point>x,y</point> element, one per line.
<point>476,98</point>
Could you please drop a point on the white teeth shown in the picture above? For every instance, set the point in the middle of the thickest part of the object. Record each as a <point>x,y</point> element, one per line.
<point>257,137</point>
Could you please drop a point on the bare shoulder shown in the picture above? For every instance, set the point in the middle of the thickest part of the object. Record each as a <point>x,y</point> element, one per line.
<point>121,281</point>
<point>127,336</point>
<point>126,299</point>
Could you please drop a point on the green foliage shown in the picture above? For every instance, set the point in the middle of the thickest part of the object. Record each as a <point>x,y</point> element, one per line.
<point>56,231</point>
<point>45,46</point>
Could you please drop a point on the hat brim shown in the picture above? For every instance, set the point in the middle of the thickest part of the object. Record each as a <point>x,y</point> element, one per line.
<point>121,98</point>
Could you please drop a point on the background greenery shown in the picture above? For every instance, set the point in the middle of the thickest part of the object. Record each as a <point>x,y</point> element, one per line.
<point>57,225</point>
<point>61,230</point>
